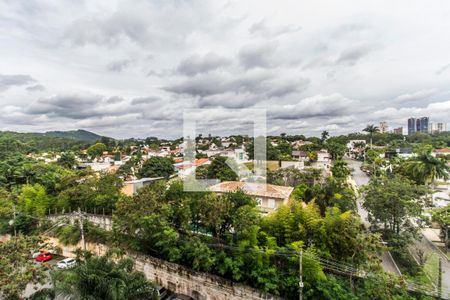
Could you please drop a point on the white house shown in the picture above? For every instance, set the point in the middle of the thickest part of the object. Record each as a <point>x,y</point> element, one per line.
<point>238,154</point>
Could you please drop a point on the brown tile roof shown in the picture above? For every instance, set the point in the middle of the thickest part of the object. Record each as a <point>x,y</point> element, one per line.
<point>442,151</point>
<point>254,189</point>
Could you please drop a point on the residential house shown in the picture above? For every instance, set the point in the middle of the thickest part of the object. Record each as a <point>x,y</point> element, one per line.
<point>185,168</point>
<point>323,160</point>
<point>268,196</point>
<point>97,166</point>
<point>238,154</point>
<point>293,164</point>
<point>299,155</point>
<point>351,145</point>
<point>399,152</point>
<point>298,144</point>
<point>356,148</point>
<point>441,152</point>
<point>132,186</point>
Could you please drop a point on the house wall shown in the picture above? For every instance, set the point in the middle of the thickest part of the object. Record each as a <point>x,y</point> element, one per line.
<point>128,189</point>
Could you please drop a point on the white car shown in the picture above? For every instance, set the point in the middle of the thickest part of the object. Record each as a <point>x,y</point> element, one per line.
<point>66,263</point>
<point>35,254</point>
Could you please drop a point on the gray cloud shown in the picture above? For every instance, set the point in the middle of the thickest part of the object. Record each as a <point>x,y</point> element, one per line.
<point>443,69</point>
<point>252,56</point>
<point>145,100</point>
<point>264,84</point>
<point>414,96</point>
<point>36,88</point>
<point>119,65</point>
<point>8,81</point>
<point>353,55</point>
<point>196,64</point>
<point>315,106</point>
<point>114,100</point>
<point>67,106</point>
<point>261,28</point>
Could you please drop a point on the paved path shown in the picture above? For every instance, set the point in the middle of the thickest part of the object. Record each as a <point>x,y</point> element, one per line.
<point>360,178</point>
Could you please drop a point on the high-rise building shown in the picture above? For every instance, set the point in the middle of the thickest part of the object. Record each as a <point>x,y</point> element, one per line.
<point>411,126</point>
<point>423,126</point>
<point>418,125</point>
<point>384,127</point>
<point>398,130</point>
<point>438,127</point>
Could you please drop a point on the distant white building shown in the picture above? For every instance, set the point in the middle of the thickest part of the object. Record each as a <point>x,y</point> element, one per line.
<point>186,168</point>
<point>351,144</point>
<point>98,166</point>
<point>323,160</point>
<point>438,127</point>
<point>238,154</point>
<point>131,187</point>
<point>384,127</point>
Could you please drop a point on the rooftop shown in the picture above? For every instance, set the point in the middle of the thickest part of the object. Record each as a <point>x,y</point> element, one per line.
<point>254,189</point>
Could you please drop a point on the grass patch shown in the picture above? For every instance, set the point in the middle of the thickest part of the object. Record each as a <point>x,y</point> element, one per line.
<point>431,267</point>
<point>272,165</point>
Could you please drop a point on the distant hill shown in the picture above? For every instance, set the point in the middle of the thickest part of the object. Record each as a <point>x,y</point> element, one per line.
<point>78,135</point>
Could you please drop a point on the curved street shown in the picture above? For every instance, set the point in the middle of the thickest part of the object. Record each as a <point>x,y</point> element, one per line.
<point>360,178</point>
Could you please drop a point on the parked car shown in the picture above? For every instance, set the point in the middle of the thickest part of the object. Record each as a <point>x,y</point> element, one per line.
<point>35,254</point>
<point>66,263</point>
<point>44,256</point>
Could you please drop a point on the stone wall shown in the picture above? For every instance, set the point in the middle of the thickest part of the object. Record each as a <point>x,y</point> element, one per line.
<point>177,278</point>
<point>102,221</point>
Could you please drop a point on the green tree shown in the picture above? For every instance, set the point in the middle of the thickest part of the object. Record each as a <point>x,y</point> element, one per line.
<point>336,149</point>
<point>313,156</point>
<point>325,134</point>
<point>371,129</point>
<point>157,167</point>
<point>392,201</point>
<point>103,278</point>
<point>425,168</point>
<point>442,217</point>
<point>17,269</point>
<point>67,160</point>
<point>34,200</point>
<point>96,150</point>
<point>340,169</point>
<point>219,169</point>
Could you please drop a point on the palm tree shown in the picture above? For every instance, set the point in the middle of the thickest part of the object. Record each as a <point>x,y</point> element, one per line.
<point>103,278</point>
<point>325,135</point>
<point>425,168</point>
<point>371,129</point>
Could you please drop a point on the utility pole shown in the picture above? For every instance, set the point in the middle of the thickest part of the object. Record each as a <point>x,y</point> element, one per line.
<point>440,279</point>
<point>300,266</point>
<point>80,222</point>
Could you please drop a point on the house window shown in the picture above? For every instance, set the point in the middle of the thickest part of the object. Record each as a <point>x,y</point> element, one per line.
<point>259,201</point>
<point>271,203</point>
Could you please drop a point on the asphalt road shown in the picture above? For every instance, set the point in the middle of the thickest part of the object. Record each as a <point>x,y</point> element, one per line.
<point>361,178</point>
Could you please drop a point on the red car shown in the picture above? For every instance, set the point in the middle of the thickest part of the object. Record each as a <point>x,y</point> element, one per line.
<point>44,256</point>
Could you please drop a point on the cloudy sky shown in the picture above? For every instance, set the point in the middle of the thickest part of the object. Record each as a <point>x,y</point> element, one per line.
<point>130,68</point>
